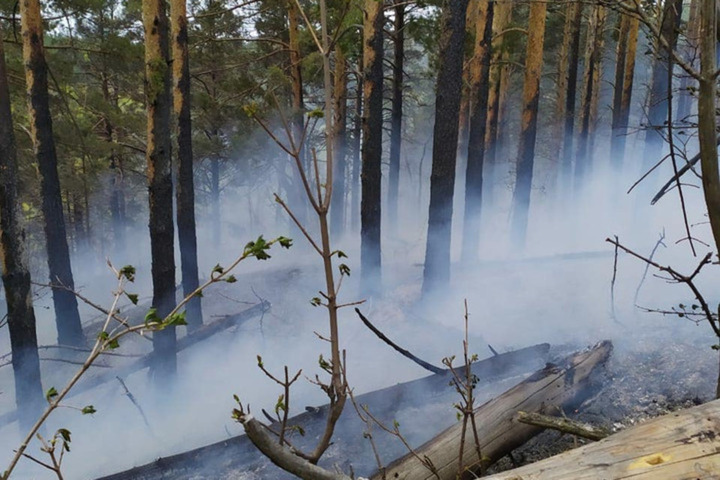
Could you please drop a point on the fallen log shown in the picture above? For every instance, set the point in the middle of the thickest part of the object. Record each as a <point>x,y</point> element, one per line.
<point>145,361</point>
<point>239,453</point>
<point>680,445</point>
<point>551,388</point>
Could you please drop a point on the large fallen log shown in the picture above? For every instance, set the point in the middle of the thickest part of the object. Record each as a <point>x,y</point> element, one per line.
<point>238,453</point>
<point>680,445</point>
<point>203,333</point>
<point>551,388</point>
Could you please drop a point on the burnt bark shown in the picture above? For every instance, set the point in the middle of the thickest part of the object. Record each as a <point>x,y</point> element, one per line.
<point>371,177</point>
<point>15,274</point>
<point>185,192</point>
<point>396,113</point>
<point>658,102</point>
<point>159,165</point>
<point>479,90</point>
<point>356,155</point>
<point>575,16</point>
<point>445,138</point>
<point>337,209</point>
<point>528,128</point>
<point>36,77</point>
<point>624,75</point>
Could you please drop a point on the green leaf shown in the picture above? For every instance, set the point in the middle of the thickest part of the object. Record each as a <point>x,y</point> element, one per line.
<point>102,336</point>
<point>340,254</point>
<point>50,394</point>
<point>259,361</point>
<point>315,302</point>
<point>133,297</point>
<point>316,113</point>
<point>280,404</point>
<point>176,319</point>
<point>231,279</point>
<point>152,316</point>
<point>715,347</point>
<point>88,410</point>
<point>113,344</point>
<point>128,271</point>
<point>344,269</point>
<point>285,242</point>
<point>199,294</point>
<point>218,269</point>
<point>64,433</point>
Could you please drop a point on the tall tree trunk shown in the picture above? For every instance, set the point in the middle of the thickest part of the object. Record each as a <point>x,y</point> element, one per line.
<point>562,78</point>
<point>499,71</point>
<point>445,139</point>
<point>622,94</point>
<point>479,89</point>
<point>15,274</point>
<point>396,114</point>
<point>692,38</point>
<point>116,187</point>
<point>337,209</point>
<point>658,102</point>
<point>528,128</point>
<point>36,71</point>
<point>370,249</point>
<point>159,164</point>
<point>591,83</point>
<point>573,33</point>
<point>185,194</point>
<point>298,109</point>
<point>356,149</point>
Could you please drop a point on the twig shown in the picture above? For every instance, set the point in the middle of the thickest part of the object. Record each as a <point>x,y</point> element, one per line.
<point>402,351</point>
<point>131,397</point>
<point>612,283</point>
<point>564,425</point>
<point>647,265</point>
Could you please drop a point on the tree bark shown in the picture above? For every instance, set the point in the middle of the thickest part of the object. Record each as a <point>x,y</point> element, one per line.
<point>692,38</point>
<point>528,128</point>
<point>499,73</point>
<point>15,274</point>
<point>370,207</point>
<point>357,154</point>
<point>445,139</point>
<point>589,101</point>
<point>658,102</point>
<point>159,164</point>
<point>479,90</point>
<point>337,208</point>
<point>185,192</point>
<point>624,75</point>
<point>678,445</point>
<point>549,389</point>
<point>36,71</point>
<point>396,114</point>
<point>297,192</point>
<point>575,14</point>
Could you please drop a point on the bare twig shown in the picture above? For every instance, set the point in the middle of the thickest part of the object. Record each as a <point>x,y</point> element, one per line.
<point>564,425</point>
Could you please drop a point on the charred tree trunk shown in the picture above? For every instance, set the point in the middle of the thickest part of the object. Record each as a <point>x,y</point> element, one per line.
<point>159,164</point>
<point>357,157</point>
<point>624,74</point>
<point>479,89</point>
<point>575,15</point>
<point>445,139</point>
<point>185,193</point>
<point>591,84</point>
<point>66,308</point>
<point>499,71</point>
<point>117,189</point>
<point>15,274</point>
<point>337,209</point>
<point>692,37</point>
<point>396,114</point>
<point>370,253</point>
<point>528,128</point>
<point>658,103</point>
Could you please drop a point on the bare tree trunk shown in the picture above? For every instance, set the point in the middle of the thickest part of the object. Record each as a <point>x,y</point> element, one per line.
<point>158,98</point>
<point>15,274</point>
<point>479,89</point>
<point>591,83</point>
<point>66,308</point>
<point>370,249</point>
<point>624,74</point>
<point>528,128</point>
<point>337,209</point>
<point>185,193</point>
<point>298,108</point>
<point>445,140</point>
<point>575,15</point>
<point>692,38</point>
<point>658,103</point>
<point>357,157</point>
<point>499,72</point>
<point>396,114</point>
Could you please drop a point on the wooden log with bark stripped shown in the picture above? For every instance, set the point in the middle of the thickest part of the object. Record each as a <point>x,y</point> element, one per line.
<point>556,386</point>
<point>679,445</point>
